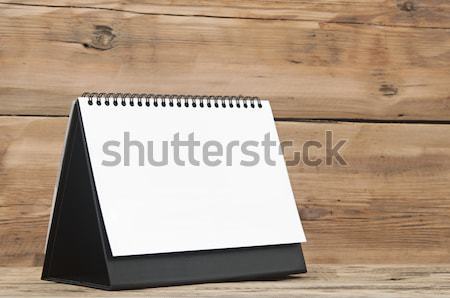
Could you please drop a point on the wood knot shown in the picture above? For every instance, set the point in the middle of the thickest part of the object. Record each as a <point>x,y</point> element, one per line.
<point>314,213</point>
<point>295,61</point>
<point>396,278</point>
<point>407,6</point>
<point>102,38</point>
<point>388,90</point>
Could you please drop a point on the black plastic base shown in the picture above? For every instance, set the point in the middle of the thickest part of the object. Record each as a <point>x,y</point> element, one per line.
<point>241,264</point>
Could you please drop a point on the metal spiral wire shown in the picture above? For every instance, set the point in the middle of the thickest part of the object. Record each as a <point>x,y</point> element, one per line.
<point>171,100</point>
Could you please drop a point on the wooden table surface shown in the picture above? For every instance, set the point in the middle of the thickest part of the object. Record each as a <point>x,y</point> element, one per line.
<point>321,281</point>
<point>375,73</point>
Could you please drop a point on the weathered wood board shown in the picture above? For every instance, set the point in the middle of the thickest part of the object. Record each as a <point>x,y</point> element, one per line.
<point>338,60</point>
<point>321,281</point>
<point>400,13</point>
<point>389,205</point>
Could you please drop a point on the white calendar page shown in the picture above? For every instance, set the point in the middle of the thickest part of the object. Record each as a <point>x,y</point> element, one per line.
<point>149,209</point>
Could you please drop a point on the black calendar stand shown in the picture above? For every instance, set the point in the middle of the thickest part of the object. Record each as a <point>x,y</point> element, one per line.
<point>78,250</point>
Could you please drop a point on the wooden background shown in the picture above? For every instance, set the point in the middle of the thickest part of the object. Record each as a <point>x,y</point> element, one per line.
<point>376,73</point>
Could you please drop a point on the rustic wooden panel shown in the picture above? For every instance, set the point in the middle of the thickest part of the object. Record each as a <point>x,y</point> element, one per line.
<point>320,281</point>
<point>390,204</point>
<point>309,69</point>
<point>414,13</point>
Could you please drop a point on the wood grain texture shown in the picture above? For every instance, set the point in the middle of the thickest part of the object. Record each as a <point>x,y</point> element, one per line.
<point>320,281</point>
<point>412,13</point>
<point>309,69</point>
<point>382,60</point>
<point>389,205</point>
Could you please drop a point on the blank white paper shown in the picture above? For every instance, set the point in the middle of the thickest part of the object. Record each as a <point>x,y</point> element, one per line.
<point>149,209</point>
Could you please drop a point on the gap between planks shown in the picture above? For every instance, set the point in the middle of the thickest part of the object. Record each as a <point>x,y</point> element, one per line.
<point>281,119</point>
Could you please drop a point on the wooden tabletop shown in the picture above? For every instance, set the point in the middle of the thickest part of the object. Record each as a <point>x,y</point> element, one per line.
<point>374,72</point>
<point>321,281</point>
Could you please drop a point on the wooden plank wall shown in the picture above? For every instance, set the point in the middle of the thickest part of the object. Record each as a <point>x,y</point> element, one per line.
<point>376,73</point>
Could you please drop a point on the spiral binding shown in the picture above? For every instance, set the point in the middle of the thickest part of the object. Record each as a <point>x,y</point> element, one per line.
<point>174,100</point>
